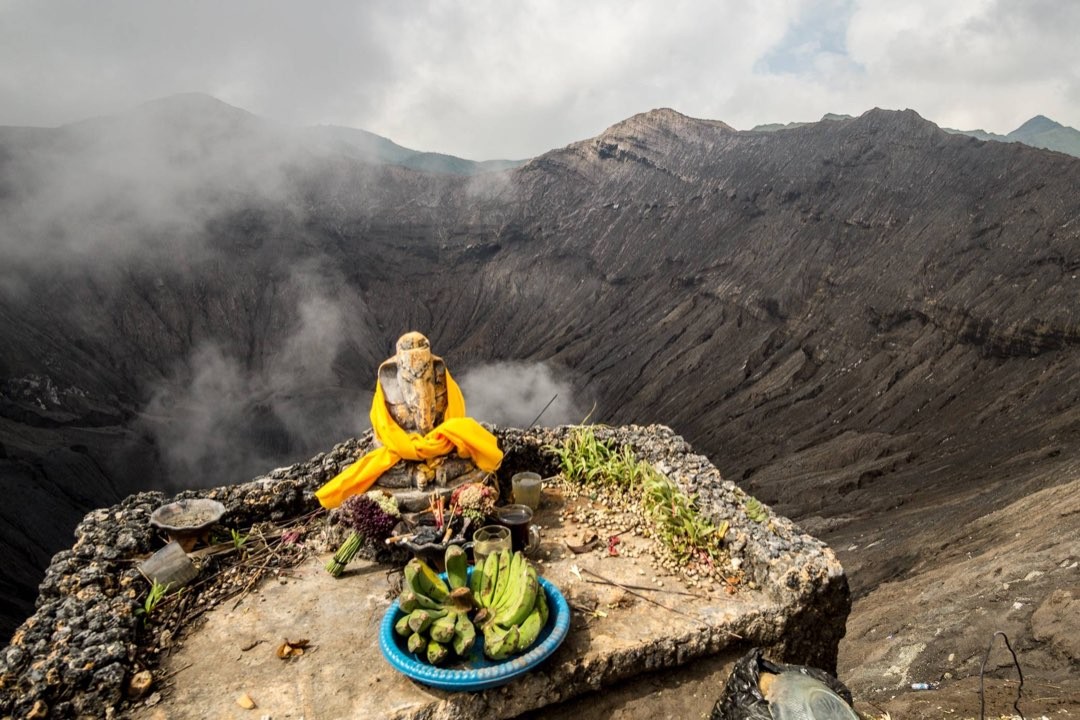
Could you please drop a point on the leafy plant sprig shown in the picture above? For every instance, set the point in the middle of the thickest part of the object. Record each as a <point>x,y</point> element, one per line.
<point>755,510</point>
<point>238,538</point>
<point>154,597</point>
<point>587,460</point>
<point>677,522</point>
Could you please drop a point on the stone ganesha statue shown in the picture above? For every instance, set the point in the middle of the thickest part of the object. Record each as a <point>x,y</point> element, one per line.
<point>415,391</point>
<point>424,442</point>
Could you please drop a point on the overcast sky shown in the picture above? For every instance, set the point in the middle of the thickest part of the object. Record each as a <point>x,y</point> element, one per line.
<point>512,78</point>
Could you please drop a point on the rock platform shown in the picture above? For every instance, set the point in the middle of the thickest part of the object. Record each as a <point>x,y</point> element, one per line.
<point>793,601</point>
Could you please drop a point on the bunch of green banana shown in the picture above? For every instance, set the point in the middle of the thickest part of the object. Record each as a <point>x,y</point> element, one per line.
<point>505,590</point>
<point>436,617</point>
<point>513,607</point>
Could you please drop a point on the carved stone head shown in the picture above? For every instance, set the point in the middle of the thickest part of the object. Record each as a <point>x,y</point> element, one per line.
<point>414,384</point>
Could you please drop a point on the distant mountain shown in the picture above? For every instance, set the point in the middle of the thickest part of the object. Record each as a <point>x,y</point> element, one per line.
<point>216,123</point>
<point>770,127</point>
<point>1040,131</point>
<point>980,134</point>
<point>363,145</point>
<point>1043,132</point>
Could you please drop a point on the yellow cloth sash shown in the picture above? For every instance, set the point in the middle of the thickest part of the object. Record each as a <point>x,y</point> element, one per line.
<point>456,431</point>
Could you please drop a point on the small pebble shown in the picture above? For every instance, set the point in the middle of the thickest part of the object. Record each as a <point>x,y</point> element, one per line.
<point>139,684</point>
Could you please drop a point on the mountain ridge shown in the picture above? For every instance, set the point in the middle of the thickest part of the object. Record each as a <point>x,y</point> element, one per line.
<point>197,112</point>
<point>1039,131</point>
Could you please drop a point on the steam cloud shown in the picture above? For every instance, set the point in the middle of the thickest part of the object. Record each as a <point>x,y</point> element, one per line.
<point>513,394</point>
<point>105,189</point>
<point>218,422</point>
<point>173,184</point>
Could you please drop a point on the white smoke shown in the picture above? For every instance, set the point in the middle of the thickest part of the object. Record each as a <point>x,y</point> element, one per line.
<point>219,422</point>
<point>512,394</point>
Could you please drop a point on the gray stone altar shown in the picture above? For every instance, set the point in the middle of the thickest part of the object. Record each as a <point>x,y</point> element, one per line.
<point>794,603</point>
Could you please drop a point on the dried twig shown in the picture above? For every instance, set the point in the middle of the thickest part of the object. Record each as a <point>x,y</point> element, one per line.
<point>258,574</point>
<point>593,611</point>
<point>654,602</point>
<point>670,591</point>
<point>176,671</point>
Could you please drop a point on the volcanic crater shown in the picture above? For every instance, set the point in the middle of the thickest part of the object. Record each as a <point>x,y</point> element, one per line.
<point>868,323</point>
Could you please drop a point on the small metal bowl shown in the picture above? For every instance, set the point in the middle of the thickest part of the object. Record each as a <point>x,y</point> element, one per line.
<point>185,521</point>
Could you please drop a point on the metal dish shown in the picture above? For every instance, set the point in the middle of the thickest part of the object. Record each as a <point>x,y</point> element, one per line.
<point>186,521</point>
<point>477,672</point>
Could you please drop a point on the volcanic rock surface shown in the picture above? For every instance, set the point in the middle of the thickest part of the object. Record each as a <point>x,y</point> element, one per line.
<point>868,323</point>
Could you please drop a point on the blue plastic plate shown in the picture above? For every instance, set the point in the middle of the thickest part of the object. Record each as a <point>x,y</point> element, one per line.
<point>477,672</point>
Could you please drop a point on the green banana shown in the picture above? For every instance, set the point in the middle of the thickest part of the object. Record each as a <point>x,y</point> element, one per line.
<point>436,652</point>
<point>541,601</point>
<point>401,627</point>
<point>407,601</point>
<point>422,580</point>
<point>464,635</point>
<point>508,588</point>
<point>512,579</point>
<point>476,580</point>
<point>417,642</point>
<point>417,619</point>
<point>500,643</point>
<point>457,566</point>
<point>490,577</point>
<point>410,600</point>
<point>521,602</point>
<point>442,630</point>
<point>420,620</point>
<point>530,629</point>
<point>502,584</point>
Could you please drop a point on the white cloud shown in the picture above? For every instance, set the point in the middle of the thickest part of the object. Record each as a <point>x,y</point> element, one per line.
<point>511,73</point>
<point>511,79</point>
<point>991,64</point>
